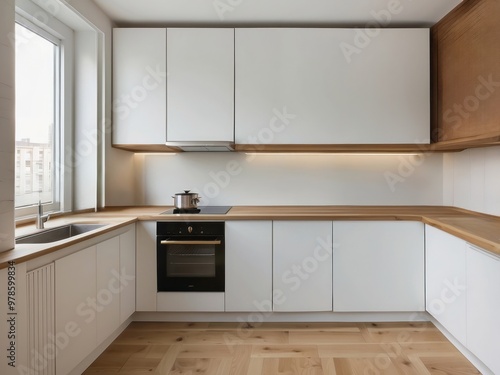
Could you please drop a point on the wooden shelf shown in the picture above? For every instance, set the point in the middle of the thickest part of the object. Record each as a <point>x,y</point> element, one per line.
<point>455,145</point>
<point>461,144</point>
<point>147,148</point>
<point>336,148</point>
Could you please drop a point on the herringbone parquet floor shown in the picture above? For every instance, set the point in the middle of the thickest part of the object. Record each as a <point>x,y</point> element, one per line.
<point>281,348</point>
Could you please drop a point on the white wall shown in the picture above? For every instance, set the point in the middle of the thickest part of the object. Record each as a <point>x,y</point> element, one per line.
<point>471,180</point>
<point>116,173</point>
<point>240,179</point>
<point>7,143</point>
<point>86,99</point>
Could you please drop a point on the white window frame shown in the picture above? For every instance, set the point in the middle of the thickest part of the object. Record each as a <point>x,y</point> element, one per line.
<point>40,22</point>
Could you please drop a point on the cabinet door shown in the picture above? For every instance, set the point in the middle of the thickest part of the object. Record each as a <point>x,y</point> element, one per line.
<point>378,266</point>
<point>445,265</point>
<point>331,86</point>
<point>200,88</point>
<point>76,324</point>
<point>483,305</point>
<point>139,86</point>
<point>108,288</point>
<point>127,275</point>
<point>302,266</point>
<point>249,259</point>
<point>146,266</point>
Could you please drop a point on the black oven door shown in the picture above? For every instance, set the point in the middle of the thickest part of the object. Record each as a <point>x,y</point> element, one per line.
<point>190,264</point>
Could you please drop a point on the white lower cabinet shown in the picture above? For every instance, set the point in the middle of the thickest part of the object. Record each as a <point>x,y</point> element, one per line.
<point>446,294</point>
<point>146,266</point>
<point>92,298</point>
<point>483,306</point>
<point>190,301</point>
<point>378,266</point>
<point>127,275</point>
<point>249,259</point>
<point>107,306</point>
<point>76,324</point>
<point>302,266</point>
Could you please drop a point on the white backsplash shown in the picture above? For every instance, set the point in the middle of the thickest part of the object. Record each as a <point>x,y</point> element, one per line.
<point>472,180</point>
<point>287,179</point>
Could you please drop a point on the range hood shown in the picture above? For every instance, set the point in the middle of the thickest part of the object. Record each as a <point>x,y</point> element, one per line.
<point>203,146</point>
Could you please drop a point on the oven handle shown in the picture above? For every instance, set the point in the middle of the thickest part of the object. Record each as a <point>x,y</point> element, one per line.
<point>174,242</point>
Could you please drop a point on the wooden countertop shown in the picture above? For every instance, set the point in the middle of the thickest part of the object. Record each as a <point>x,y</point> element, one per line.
<point>25,252</point>
<point>479,229</point>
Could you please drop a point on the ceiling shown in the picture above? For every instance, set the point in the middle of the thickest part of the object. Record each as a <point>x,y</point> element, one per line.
<point>394,13</point>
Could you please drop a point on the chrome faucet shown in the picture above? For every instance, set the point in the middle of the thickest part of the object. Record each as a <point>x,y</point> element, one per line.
<point>40,217</point>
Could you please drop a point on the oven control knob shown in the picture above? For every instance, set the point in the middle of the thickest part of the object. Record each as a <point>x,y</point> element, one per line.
<point>190,229</point>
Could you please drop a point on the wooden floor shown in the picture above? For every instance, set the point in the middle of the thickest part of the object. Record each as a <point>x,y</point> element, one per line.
<point>281,348</point>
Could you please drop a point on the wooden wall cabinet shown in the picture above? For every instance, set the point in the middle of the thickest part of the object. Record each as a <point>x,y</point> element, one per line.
<point>466,76</point>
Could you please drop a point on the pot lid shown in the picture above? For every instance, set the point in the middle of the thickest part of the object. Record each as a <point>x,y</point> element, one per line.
<point>186,192</point>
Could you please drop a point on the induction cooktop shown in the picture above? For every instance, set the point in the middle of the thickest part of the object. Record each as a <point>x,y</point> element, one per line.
<point>202,210</point>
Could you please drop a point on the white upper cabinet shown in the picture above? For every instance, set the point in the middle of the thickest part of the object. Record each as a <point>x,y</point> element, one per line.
<point>378,266</point>
<point>331,86</point>
<point>200,88</point>
<point>139,86</point>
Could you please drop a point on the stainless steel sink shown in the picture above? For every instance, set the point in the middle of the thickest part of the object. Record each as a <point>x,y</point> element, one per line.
<point>59,233</point>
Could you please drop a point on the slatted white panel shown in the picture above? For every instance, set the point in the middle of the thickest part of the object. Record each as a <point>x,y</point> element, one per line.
<point>41,320</point>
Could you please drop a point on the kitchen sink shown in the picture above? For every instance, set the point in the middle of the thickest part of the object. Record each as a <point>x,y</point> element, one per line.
<point>59,233</point>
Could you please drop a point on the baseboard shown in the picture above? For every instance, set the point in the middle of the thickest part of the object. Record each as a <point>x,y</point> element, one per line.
<point>265,316</point>
<point>483,369</point>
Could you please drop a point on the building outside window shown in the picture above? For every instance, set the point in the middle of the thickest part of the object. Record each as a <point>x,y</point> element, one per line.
<point>38,66</point>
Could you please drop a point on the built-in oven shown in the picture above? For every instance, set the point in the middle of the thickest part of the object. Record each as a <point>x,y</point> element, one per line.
<point>190,256</point>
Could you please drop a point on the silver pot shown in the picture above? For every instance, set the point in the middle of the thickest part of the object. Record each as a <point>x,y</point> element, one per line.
<point>186,200</point>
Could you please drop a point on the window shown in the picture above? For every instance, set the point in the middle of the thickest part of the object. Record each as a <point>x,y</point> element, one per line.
<point>44,95</point>
<point>37,103</point>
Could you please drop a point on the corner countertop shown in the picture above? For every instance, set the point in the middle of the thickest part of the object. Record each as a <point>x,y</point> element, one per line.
<point>478,229</point>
